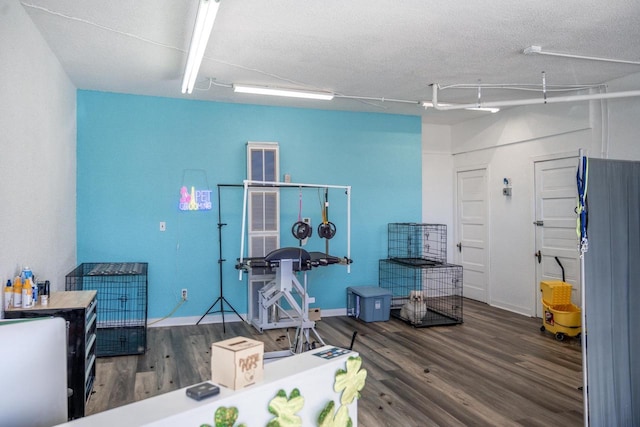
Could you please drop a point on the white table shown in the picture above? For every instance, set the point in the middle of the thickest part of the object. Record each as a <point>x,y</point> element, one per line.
<point>314,376</point>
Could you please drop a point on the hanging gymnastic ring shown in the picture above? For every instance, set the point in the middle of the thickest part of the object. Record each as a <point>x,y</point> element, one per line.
<point>326,230</point>
<point>301,230</point>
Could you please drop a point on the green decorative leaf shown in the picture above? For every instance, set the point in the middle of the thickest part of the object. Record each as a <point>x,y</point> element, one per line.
<point>340,419</point>
<point>226,417</point>
<point>325,419</point>
<point>285,409</point>
<point>351,381</point>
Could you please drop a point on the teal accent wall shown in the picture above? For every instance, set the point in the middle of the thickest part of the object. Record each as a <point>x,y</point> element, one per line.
<point>135,152</point>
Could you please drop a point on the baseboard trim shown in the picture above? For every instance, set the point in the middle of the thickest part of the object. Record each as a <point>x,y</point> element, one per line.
<point>512,308</point>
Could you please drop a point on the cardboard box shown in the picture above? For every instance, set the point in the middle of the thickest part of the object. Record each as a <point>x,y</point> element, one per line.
<point>315,314</point>
<point>237,362</point>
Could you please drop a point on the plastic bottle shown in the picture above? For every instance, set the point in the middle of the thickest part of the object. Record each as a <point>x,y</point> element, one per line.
<point>17,292</point>
<point>27,294</point>
<point>44,298</point>
<point>8,295</point>
<point>26,274</point>
<point>34,291</point>
<point>27,287</point>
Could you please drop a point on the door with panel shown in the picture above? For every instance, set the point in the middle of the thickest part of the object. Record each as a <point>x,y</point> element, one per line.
<point>472,232</point>
<point>555,224</point>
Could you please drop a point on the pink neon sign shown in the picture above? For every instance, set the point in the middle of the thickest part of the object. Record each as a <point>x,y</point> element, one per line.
<point>194,200</point>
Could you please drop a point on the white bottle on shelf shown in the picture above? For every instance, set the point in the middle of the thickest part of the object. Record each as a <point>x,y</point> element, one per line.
<point>17,292</point>
<point>27,294</point>
<point>8,295</point>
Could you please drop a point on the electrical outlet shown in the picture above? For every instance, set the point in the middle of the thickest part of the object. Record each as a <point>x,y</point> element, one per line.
<point>184,294</point>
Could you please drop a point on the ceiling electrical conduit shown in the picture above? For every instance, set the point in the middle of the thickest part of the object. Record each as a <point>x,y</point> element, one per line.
<point>532,101</point>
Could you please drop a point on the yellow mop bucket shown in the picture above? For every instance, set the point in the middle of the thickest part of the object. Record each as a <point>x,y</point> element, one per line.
<point>560,316</point>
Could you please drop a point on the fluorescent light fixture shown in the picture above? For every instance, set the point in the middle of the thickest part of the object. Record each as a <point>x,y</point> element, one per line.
<point>207,11</point>
<point>429,104</point>
<point>487,109</point>
<point>292,93</point>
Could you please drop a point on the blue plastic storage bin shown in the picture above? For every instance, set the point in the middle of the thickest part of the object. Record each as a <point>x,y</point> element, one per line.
<point>368,303</point>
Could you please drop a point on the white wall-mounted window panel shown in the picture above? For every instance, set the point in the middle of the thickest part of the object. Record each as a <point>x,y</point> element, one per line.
<point>263,210</point>
<point>263,214</point>
<point>263,161</point>
<point>263,204</point>
<point>263,164</point>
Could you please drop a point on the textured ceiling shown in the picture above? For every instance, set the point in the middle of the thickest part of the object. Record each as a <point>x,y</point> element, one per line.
<point>368,49</point>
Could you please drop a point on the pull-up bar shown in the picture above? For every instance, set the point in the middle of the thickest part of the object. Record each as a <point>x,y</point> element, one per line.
<point>247,183</point>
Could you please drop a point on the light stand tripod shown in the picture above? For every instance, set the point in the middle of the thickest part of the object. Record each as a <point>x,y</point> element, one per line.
<point>221,299</point>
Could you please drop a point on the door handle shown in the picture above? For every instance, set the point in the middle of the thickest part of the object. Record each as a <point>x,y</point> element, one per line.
<point>459,245</point>
<point>539,256</point>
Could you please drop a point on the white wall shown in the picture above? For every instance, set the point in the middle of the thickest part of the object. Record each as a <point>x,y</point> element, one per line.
<point>512,281</point>
<point>509,143</point>
<point>437,183</point>
<point>623,121</point>
<point>38,157</point>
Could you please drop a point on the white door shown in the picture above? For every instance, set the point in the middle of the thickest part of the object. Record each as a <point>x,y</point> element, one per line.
<point>471,231</point>
<point>556,193</point>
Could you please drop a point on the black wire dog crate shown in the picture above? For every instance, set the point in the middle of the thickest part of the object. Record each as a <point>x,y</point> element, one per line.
<point>122,304</point>
<point>417,243</point>
<point>426,295</point>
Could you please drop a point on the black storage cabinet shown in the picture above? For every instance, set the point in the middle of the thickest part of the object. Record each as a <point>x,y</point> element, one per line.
<point>79,311</point>
<point>122,295</point>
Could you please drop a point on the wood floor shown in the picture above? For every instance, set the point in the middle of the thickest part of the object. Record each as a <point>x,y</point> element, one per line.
<point>495,369</point>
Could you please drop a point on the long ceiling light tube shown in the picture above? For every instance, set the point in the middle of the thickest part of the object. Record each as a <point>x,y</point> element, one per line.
<point>377,98</point>
<point>291,93</point>
<point>427,104</point>
<point>532,101</point>
<point>485,109</point>
<point>538,50</point>
<point>207,11</point>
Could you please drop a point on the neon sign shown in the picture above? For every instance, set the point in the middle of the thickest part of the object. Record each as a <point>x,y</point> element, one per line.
<point>196,200</point>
